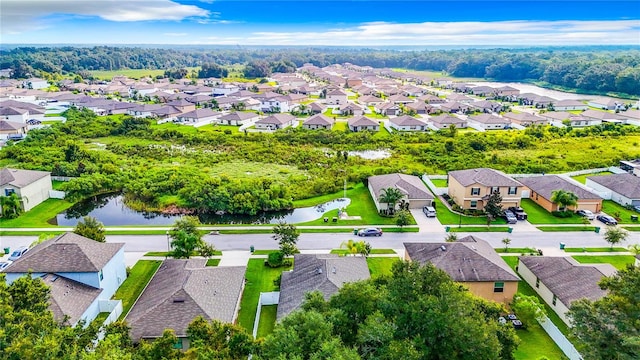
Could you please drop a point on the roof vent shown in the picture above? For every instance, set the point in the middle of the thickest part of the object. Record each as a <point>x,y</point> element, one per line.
<point>333,270</point>
<point>443,248</point>
<point>178,301</point>
<point>319,270</point>
<point>474,248</point>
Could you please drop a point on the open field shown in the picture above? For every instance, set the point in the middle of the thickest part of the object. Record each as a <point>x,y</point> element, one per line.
<point>131,73</point>
<point>440,182</point>
<point>596,249</point>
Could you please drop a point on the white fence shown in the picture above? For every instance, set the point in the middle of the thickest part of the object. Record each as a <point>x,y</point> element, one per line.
<point>56,194</point>
<point>436,190</point>
<point>558,337</point>
<point>114,308</point>
<point>61,178</point>
<point>266,298</point>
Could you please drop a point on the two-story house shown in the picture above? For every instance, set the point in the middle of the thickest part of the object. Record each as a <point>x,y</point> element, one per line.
<point>32,187</point>
<point>471,188</point>
<point>336,97</point>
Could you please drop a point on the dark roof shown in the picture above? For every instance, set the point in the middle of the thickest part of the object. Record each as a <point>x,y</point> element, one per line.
<point>566,278</point>
<point>11,125</point>
<point>409,185</point>
<point>65,253</point>
<point>488,119</point>
<point>68,297</point>
<point>406,120</point>
<point>469,259</point>
<point>362,121</point>
<point>199,113</point>
<point>319,119</point>
<point>20,178</point>
<point>483,176</point>
<point>325,273</point>
<point>626,184</point>
<point>545,185</point>
<point>181,290</point>
<point>239,116</point>
<point>279,119</point>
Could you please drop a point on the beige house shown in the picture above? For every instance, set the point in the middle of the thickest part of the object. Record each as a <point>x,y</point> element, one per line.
<point>542,188</point>
<point>32,187</point>
<point>473,263</point>
<point>562,280</point>
<point>470,188</point>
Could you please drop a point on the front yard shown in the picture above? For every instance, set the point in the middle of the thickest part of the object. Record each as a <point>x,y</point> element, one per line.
<point>447,217</point>
<point>539,215</point>
<point>622,214</point>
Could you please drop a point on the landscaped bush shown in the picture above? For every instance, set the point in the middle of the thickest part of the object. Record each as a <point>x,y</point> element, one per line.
<point>562,214</point>
<point>275,259</point>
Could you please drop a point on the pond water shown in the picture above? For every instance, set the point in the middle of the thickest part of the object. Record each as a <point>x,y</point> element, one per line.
<point>371,154</point>
<point>112,211</point>
<point>528,88</point>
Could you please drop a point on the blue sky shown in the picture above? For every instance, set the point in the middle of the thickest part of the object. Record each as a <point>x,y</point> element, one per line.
<point>307,22</point>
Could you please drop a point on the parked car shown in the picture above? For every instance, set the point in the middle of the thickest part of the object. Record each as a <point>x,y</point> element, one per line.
<point>370,232</point>
<point>4,264</point>
<point>607,220</point>
<point>17,253</point>
<point>511,217</point>
<point>636,208</point>
<point>586,213</point>
<point>518,212</point>
<point>430,211</point>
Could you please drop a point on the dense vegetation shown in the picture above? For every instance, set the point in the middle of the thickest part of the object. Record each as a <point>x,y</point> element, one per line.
<point>208,170</point>
<point>601,70</point>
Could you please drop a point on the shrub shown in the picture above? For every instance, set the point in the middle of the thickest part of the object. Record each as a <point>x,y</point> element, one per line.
<point>562,214</point>
<point>227,132</point>
<point>275,259</point>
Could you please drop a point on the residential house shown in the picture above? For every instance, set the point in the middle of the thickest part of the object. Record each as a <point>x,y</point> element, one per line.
<point>486,106</point>
<point>180,291</point>
<point>543,101</point>
<point>35,83</point>
<point>623,189</point>
<point>482,91</point>
<point>224,89</point>
<point>562,280</point>
<point>631,166</point>
<point>507,91</point>
<point>370,100</point>
<point>459,98</point>
<point>318,121</point>
<point>561,118</point>
<point>277,103</point>
<point>471,188</point>
<point>336,97</point>
<point>414,191</point>
<point>203,115</point>
<point>83,274</point>
<point>407,123</point>
<point>387,109</point>
<point>525,119</point>
<point>350,109</point>
<point>352,82</point>
<point>316,108</point>
<point>420,107</point>
<point>488,122</point>
<point>14,114</point>
<point>455,107</point>
<point>604,116</point>
<point>542,187</point>
<point>11,130</point>
<point>361,123</point>
<point>276,121</point>
<point>238,118</point>
<point>565,105</point>
<point>432,99</point>
<point>446,120</point>
<point>183,105</point>
<point>633,117</point>
<point>144,110</point>
<point>471,262</point>
<point>606,103</point>
<point>32,187</point>
<point>325,273</point>
<point>6,73</point>
<point>400,99</point>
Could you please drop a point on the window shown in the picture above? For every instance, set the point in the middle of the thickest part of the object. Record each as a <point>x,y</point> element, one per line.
<point>554,300</point>
<point>512,190</point>
<point>537,282</point>
<point>473,204</point>
<point>475,191</point>
<point>101,275</point>
<point>498,287</point>
<point>495,189</point>
<point>8,192</point>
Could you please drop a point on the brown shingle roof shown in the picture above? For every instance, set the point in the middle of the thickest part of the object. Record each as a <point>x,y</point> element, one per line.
<point>545,185</point>
<point>68,297</point>
<point>483,176</point>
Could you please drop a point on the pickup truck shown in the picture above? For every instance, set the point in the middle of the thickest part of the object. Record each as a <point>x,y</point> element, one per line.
<point>518,212</point>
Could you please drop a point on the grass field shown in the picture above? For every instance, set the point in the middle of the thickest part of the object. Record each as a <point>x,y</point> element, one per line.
<point>539,215</point>
<point>267,320</point>
<point>631,228</point>
<point>259,279</point>
<point>373,251</point>
<point>583,178</point>
<point>479,229</point>
<point>618,211</point>
<point>596,249</point>
<point>340,126</point>
<point>516,250</point>
<point>213,262</point>
<point>317,200</point>
<point>132,287</point>
<point>447,217</point>
<point>38,216</point>
<point>131,73</point>
<point>380,265</point>
<point>618,261</point>
<point>440,182</point>
<point>566,228</point>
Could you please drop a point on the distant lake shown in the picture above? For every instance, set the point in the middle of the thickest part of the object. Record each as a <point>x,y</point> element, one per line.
<point>528,88</point>
<point>111,210</point>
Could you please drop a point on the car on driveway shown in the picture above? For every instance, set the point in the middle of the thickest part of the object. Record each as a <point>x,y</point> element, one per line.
<point>518,212</point>
<point>586,213</point>
<point>4,264</point>
<point>511,217</point>
<point>636,208</point>
<point>17,253</point>
<point>370,232</point>
<point>607,220</point>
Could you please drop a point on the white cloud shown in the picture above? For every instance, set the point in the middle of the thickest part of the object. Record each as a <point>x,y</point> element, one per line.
<point>21,15</point>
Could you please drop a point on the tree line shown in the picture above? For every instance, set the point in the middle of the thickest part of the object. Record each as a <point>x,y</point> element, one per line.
<point>585,69</point>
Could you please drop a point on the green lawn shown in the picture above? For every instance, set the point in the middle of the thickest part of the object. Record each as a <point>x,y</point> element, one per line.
<point>596,249</point>
<point>329,229</point>
<point>38,216</point>
<point>380,265</point>
<point>132,73</point>
<point>535,343</point>
<point>479,229</point>
<point>583,178</point>
<point>440,182</point>
<point>213,262</point>
<point>166,253</point>
<point>340,126</point>
<point>515,251</point>
<point>566,228</point>
<point>267,320</point>
<point>373,251</point>
<point>361,205</point>
<point>446,217</point>
<point>57,184</point>
<point>631,228</point>
<point>618,261</point>
<point>619,212</point>
<point>132,287</point>
<point>539,215</point>
<point>317,200</point>
<point>259,279</point>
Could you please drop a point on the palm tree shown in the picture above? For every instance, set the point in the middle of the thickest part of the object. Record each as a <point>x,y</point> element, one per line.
<point>356,247</point>
<point>11,206</point>
<point>563,199</point>
<point>390,196</point>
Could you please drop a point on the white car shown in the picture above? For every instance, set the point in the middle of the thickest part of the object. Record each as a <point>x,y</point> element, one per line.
<point>586,213</point>
<point>4,264</point>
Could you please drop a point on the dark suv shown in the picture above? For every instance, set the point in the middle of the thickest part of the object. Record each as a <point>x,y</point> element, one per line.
<point>518,212</point>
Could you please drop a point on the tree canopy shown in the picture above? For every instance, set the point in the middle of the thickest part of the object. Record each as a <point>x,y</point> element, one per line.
<point>91,228</point>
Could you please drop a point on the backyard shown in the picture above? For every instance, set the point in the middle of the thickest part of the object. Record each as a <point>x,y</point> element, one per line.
<point>618,261</point>
<point>136,281</point>
<point>539,215</point>
<point>583,178</point>
<point>38,216</point>
<point>380,265</point>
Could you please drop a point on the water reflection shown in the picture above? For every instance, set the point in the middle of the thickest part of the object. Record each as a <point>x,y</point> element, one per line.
<point>111,210</point>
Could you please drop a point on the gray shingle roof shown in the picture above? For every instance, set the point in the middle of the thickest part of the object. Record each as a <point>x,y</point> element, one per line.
<point>68,252</point>
<point>319,119</point>
<point>406,120</point>
<point>362,121</point>
<point>20,178</point>
<point>182,290</point>
<point>625,184</point>
<point>306,277</point>
<point>489,119</point>
<point>567,279</point>
<point>199,113</point>
<point>483,176</point>
<point>409,185</point>
<point>546,184</point>
<point>239,116</point>
<point>279,119</point>
<point>469,259</point>
<point>69,298</point>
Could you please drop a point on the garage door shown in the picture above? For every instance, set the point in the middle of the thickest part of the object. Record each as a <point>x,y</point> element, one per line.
<point>593,207</point>
<point>418,204</point>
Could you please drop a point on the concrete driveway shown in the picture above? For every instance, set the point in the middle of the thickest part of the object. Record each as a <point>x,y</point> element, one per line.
<point>426,225</point>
